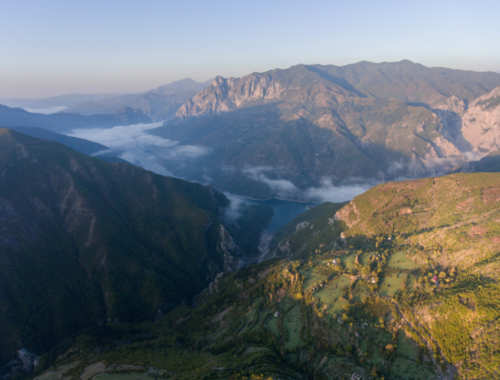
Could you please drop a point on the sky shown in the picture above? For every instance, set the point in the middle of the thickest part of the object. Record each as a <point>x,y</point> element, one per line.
<point>55,47</point>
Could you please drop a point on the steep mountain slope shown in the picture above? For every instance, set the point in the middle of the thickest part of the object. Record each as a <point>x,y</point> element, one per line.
<point>80,145</point>
<point>452,219</point>
<point>400,283</point>
<point>369,139</point>
<point>83,242</point>
<point>412,82</point>
<point>62,122</point>
<point>159,104</point>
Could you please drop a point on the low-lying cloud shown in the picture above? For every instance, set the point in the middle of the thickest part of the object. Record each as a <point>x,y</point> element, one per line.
<point>326,192</point>
<point>281,186</point>
<point>133,144</point>
<point>234,211</point>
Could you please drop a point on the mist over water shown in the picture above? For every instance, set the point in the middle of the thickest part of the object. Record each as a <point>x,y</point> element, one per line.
<point>284,212</point>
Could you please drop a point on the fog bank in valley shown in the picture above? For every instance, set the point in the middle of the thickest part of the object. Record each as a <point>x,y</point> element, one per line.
<point>133,144</point>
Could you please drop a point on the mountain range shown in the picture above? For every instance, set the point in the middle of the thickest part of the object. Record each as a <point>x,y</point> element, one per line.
<point>66,122</point>
<point>67,100</point>
<point>311,123</point>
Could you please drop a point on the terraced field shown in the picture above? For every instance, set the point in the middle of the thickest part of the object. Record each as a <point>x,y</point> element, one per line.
<point>408,370</point>
<point>399,260</point>
<point>390,285</point>
<point>293,323</point>
<point>331,293</point>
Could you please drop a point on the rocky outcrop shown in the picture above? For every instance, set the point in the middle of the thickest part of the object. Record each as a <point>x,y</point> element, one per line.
<point>348,214</point>
<point>481,123</point>
<point>228,250</point>
<point>297,85</point>
<point>225,95</point>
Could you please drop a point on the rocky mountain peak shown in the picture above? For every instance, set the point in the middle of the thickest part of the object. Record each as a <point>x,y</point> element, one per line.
<point>225,95</point>
<point>218,80</point>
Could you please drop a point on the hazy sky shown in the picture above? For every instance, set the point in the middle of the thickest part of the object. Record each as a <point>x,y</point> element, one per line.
<point>52,47</point>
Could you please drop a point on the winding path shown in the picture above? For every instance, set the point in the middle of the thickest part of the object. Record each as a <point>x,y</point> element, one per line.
<point>429,346</point>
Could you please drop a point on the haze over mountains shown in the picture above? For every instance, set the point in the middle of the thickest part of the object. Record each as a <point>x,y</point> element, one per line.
<point>159,103</point>
<point>63,122</point>
<point>68,100</point>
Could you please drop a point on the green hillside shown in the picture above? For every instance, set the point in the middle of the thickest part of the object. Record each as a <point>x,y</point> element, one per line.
<point>362,301</point>
<point>85,242</point>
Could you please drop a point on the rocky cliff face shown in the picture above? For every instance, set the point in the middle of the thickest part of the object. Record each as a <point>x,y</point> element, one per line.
<point>473,127</point>
<point>296,85</point>
<point>225,95</point>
